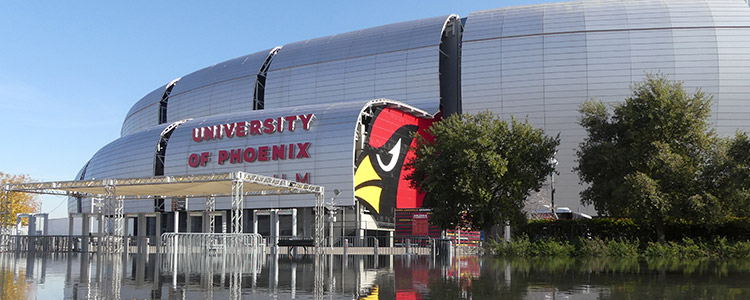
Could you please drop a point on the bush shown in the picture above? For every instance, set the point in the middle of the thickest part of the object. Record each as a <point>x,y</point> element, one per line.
<point>733,229</point>
<point>523,247</point>
<point>622,248</point>
<point>723,249</point>
<point>552,248</point>
<point>591,247</point>
<point>622,238</point>
<point>686,249</point>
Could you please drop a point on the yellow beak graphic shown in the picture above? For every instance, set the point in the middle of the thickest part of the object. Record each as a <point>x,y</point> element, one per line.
<point>369,193</point>
<point>373,294</point>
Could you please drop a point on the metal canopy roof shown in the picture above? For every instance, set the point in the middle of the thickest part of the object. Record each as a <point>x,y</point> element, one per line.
<point>169,186</point>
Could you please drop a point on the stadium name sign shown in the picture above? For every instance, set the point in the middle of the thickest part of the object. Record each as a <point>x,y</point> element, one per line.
<point>252,128</point>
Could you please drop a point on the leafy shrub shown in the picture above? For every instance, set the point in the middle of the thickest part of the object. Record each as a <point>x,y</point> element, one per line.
<point>552,248</point>
<point>523,247</point>
<point>520,246</point>
<point>622,248</point>
<point>591,247</point>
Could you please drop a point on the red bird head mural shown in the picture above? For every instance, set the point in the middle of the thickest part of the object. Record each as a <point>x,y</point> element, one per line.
<point>379,179</point>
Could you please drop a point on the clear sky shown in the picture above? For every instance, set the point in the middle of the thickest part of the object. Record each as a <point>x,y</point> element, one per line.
<point>71,70</point>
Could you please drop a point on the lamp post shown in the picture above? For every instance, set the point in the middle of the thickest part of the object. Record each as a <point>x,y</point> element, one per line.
<point>332,209</point>
<point>553,164</point>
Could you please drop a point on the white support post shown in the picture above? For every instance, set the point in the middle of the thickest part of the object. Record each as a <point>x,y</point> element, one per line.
<point>18,233</point>
<point>71,221</point>
<point>319,221</point>
<point>255,221</point>
<point>115,209</point>
<point>176,220</point>
<point>210,209</point>
<point>119,222</point>
<point>126,233</point>
<point>294,222</point>
<point>275,227</point>
<point>100,233</point>
<point>224,219</point>
<point>238,199</point>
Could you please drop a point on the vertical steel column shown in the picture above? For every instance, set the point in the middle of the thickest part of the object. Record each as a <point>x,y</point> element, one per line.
<point>18,233</point>
<point>238,199</point>
<point>100,234</point>
<point>45,227</point>
<point>6,211</point>
<point>115,210</point>
<point>119,220</point>
<point>224,221</point>
<point>210,209</point>
<point>176,218</point>
<point>126,233</point>
<point>319,221</point>
<point>294,222</point>
<point>255,221</point>
<point>71,221</point>
<point>6,215</point>
<point>141,234</point>
<point>275,229</point>
<point>85,233</point>
<point>157,231</point>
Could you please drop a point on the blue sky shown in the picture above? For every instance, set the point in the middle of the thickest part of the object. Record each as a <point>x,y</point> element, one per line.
<point>70,70</point>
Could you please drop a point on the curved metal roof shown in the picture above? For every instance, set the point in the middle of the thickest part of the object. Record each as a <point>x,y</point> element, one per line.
<point>144,113</point>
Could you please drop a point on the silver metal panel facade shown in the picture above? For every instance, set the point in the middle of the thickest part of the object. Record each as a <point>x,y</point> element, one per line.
<point>537,62</point>
<point>144,114</point>
<point>330,162</point>
<point>731,19</point>
<point>222,88</point>
<point>540,62</point>
<point>397,61</point>
<point>129,156</point>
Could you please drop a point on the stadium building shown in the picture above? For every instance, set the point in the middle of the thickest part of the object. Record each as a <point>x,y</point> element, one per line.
<point>339,111</point>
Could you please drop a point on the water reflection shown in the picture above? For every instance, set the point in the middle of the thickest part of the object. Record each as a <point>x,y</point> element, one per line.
<point>365,277</point>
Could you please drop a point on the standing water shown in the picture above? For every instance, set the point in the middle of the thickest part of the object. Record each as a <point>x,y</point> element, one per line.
<point>367,277</point>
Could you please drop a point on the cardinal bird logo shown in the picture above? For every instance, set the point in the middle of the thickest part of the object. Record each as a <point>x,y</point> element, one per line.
<point>379,179</point>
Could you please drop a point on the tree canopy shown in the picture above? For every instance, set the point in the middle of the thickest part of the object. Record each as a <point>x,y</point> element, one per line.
<point>729,175</point>
<point>648,158</point>
<point>20,202</point>
<point>478,170</point>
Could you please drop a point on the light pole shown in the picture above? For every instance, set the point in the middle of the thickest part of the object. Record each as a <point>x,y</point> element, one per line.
<point>332,208</point>
<point>553,163</point>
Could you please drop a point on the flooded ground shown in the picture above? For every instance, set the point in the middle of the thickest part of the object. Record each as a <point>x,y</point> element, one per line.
<point>366,277</point>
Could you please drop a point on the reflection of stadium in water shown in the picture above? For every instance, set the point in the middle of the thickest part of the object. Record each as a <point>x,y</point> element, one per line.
<point>367,277</point>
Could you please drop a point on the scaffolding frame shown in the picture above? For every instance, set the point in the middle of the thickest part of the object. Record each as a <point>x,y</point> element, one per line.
<point>115,191</point>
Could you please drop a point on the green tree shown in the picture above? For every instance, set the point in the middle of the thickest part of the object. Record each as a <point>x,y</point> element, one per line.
<point>20,203</point>
<point>646,160</point>
<point>729,174</point>
<point>478,169</point>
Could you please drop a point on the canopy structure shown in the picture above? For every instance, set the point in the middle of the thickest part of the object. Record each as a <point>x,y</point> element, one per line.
<point>114,191</point>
